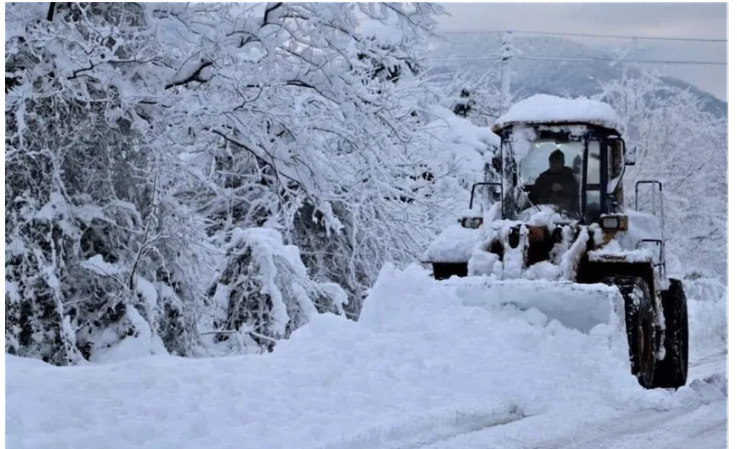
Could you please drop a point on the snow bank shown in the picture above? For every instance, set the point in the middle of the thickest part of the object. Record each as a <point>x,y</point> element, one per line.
<point>551,109</point>
<point>418,363</point>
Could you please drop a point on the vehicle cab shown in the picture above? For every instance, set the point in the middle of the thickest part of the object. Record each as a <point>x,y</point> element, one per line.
<point>564,154</point>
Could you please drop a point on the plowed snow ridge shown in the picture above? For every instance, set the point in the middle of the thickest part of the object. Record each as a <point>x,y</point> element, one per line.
<point>419,369</point>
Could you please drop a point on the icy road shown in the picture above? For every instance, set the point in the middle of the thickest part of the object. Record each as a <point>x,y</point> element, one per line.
<point>419,370</point>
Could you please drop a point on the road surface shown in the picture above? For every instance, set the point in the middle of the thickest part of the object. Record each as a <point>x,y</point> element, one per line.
<point>700,423</point>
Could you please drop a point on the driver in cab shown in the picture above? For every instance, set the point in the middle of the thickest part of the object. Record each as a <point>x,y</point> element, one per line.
<point>557,185</point>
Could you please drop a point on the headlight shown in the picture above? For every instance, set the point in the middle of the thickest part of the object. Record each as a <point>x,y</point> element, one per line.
<point>610,223</point>
<point>472,222</point>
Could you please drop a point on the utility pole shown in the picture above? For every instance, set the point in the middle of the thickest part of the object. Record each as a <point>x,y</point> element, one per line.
<point>506,69</point>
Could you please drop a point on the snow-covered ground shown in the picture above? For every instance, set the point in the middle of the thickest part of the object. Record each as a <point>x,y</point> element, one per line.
<point>419,369</point>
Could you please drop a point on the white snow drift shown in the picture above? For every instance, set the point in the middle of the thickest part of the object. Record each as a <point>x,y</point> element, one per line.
<point>417,367</point>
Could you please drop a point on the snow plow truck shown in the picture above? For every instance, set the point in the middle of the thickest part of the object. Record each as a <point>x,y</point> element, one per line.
<point>548,229</point>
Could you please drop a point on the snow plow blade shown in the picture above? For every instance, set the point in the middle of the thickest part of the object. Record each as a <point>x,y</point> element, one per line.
<point>577,306</point>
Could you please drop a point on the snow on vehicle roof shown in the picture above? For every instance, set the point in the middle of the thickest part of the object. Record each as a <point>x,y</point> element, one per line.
<point>543,108</point>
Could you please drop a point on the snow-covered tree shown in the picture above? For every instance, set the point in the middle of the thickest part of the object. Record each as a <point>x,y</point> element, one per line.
<point>313,108</point>
<point>146,140</point>
<point>472,96</point>
<point>683,145</point>
<point>96,249</point>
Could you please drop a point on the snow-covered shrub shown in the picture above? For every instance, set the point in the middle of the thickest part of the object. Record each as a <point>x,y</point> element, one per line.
<point>264,290</point>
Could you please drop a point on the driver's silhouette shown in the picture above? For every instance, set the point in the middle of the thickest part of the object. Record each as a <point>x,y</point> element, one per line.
<point>557,185</point>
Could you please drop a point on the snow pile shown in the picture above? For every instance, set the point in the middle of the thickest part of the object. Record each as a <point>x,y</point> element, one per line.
<point>454,245</point>
<point>541,215</point>
<point>418,364</point>
<point>543,108</point>
<point>613,251</point>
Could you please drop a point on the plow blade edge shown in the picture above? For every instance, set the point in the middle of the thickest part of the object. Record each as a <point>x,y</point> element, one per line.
<point>577,306</point>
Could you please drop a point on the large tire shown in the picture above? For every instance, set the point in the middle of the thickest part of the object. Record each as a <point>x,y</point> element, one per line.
<point>640,323</point>
<point>672,371</point>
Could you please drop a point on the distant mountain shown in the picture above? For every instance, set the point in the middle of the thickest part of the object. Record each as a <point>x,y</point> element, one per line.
<point>479,54</point>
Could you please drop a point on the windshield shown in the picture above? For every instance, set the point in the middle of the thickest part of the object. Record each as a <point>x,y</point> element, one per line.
<point>550,174</point>
<point>537,160</point>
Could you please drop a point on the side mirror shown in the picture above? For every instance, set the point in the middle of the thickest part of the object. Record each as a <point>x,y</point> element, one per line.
<point>630,155</point>
<point>494,195</point>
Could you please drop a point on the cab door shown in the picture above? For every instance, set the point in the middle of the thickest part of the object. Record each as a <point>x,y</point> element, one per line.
<point>595,180</point>
<point>613,172</point>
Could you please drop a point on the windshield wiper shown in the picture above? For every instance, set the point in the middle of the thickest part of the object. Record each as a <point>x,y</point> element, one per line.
<point>528,198</point>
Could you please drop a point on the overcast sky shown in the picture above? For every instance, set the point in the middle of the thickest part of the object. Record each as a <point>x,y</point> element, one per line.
<point>694,20</point>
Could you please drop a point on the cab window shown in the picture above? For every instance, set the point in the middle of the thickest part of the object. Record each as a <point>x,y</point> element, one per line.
<point>593,182</point>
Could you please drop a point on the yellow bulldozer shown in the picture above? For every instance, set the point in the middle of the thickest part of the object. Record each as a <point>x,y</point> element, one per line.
<point>548,229</point>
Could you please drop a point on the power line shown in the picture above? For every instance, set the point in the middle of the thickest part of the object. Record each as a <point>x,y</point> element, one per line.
<point>465,58</point>
<point>608,36</point>
<point>562,58</point>
<point>645,61</point>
